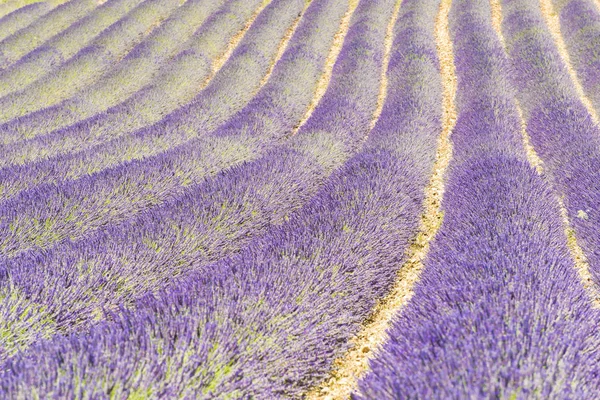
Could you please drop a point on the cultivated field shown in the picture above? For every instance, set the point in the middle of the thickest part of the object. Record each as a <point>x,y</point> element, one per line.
<point>305,199</point>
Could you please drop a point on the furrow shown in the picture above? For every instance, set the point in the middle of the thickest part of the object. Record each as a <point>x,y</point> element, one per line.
<point>281,48</point>
<point>324,79</point>
<point>218,62</point>
<point>533,158</point>
<point>383,87</point>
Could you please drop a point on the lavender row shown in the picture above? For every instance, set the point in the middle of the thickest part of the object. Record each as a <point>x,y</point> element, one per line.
<point>252,308</point>
<point>239,79</point>
<point>21,18</point>
<point>561,131</point>
<point>90,63</point>
<point>117,193</point>
<point>150,62</point>
<point>49,56</point>
<point>207,223</point>
<point>580,27</point>
<point>499,311</point>
<point>12,6</point>
<point>219,216</point>
<point>174,84</point>
<point>27,39</point>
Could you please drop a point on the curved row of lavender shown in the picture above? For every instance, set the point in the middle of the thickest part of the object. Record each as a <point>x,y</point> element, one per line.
<point>12,6</point>
<point>561,130</point>
<point>126,99</point>
<point>199,232</point>
<point>120,192</point>
<point>50,55</point>
<point>375,89</point>
<point>21,18</point>
<point>580,28</point>
<point>273,327</point>
<point>499,311</point>
<point>91,62</point>
<point>216,253</point>
<point>28,38</point>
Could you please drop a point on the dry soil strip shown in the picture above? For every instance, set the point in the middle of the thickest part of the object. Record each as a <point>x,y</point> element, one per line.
<point>355,363</point>
<point>283,44</point>
<point>581,263</point>
<point>233,43</point>
<point>553,23</point>
<point>334,51</point>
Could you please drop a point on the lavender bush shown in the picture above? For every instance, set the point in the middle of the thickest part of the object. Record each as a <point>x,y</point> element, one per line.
<point>212,228</point>
<point>90,62</point>
<point>167,174</point>
<point>560,127</point>
<point>30,37</point>
<point>580,27</point>
<point>148,66</point>
<point>499,311</point>
<point>21,18</point>
<point>228,199</point>
<point>293,321</point>
<point>55,51</point>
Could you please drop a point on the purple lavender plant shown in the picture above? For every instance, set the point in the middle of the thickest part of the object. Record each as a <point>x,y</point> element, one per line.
<point>216,218</point>
<point>90,63</point>
<point>21,18</point>
<point>118,193</point>
<point>580,27</point>
<point>269,321</point>
<point>148,68</point>
<point>50,55</point>
<point>561,130</point>
<point>177,83</point>
<point>499,311</point>
<point>28,38</point>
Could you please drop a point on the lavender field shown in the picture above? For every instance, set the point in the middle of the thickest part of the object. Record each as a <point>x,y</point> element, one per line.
<point>300,199</point>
